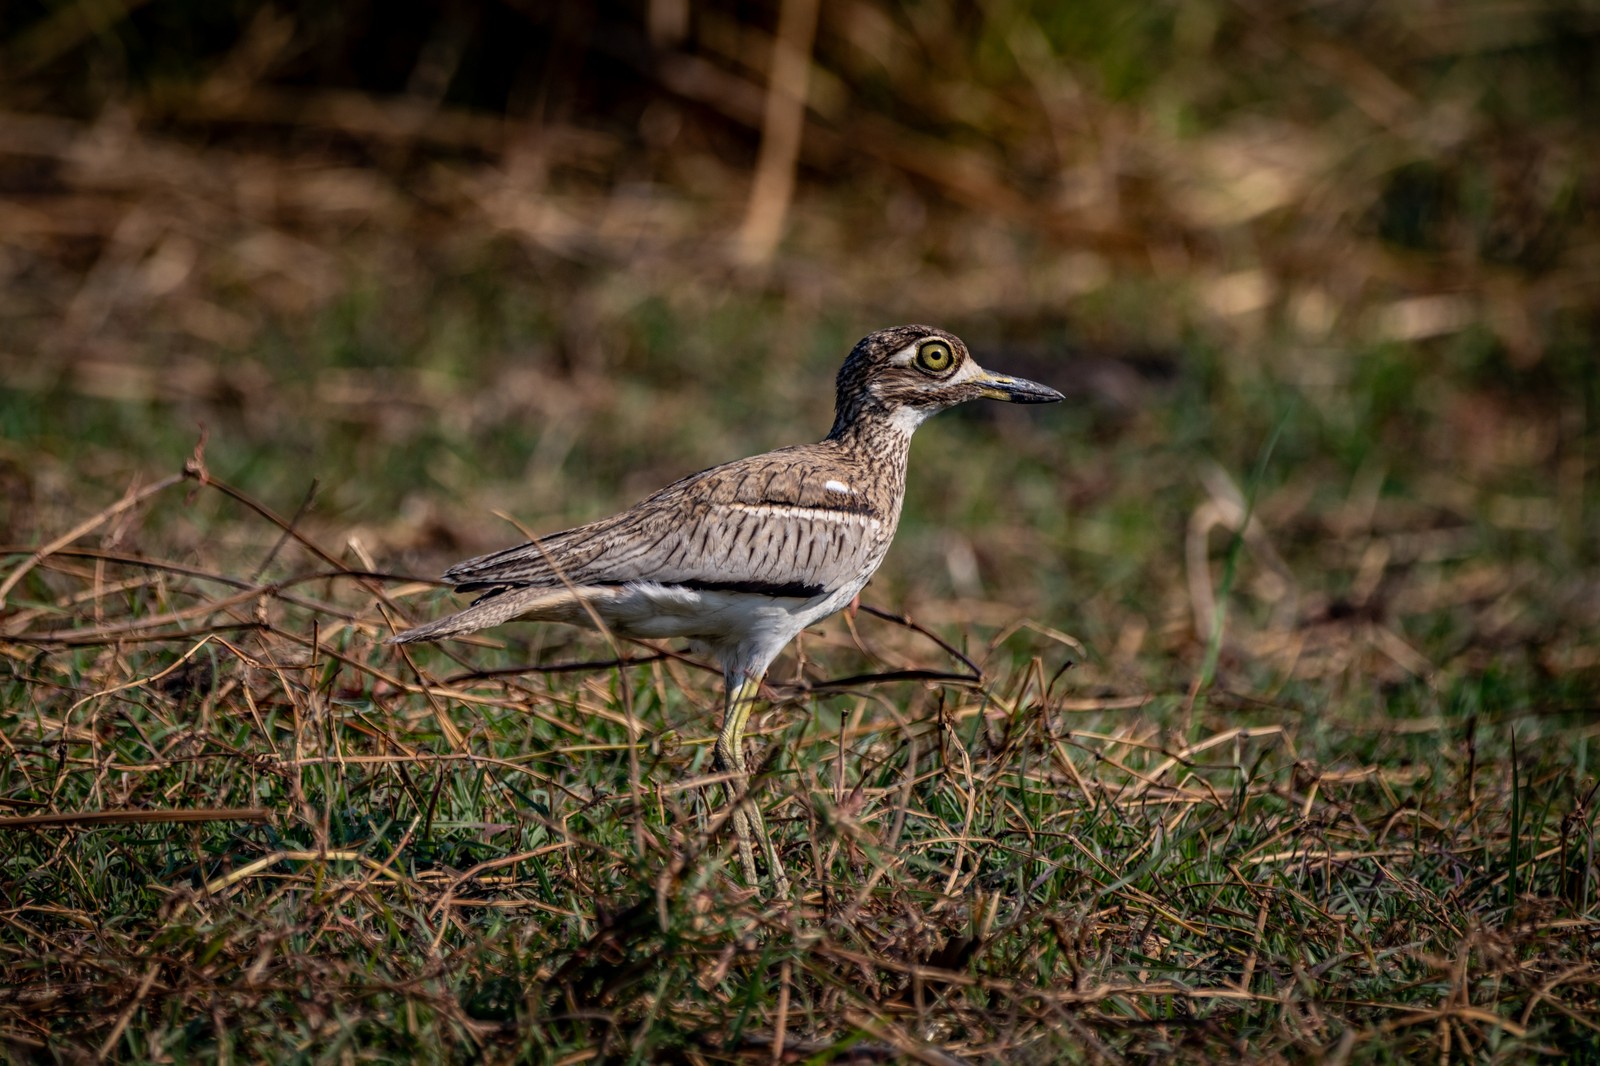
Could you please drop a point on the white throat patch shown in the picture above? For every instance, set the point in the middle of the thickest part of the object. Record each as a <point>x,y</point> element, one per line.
<point>907,419</point>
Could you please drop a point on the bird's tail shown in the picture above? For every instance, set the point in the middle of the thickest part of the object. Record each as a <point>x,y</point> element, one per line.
<point>543,604</point>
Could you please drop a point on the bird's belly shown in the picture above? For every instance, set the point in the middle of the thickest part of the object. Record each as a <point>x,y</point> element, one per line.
<point>657,611</point>
<point>743,631</point>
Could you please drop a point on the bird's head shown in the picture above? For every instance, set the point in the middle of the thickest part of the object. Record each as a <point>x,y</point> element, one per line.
<point>906,373</point>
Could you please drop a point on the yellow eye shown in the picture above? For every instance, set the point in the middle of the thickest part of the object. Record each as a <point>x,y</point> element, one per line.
<point>935,356</point>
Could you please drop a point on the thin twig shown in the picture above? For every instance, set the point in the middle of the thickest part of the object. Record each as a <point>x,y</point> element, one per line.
<point>258,815</point>
<point>132,499</point>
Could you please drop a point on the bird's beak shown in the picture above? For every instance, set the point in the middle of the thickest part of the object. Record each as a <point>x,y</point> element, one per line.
<point>1015,390</point>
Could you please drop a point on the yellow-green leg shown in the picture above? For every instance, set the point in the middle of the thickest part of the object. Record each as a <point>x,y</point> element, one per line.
<point>747,820</point>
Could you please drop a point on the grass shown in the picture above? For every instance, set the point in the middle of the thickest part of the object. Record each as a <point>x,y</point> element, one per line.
<point>1239,708</point>
<point>1368,837</point>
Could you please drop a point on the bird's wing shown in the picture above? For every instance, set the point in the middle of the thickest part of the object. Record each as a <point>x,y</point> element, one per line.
<point>540,562</point>
<point>779,523</point>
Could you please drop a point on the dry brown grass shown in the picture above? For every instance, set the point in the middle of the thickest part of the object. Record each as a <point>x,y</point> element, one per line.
<point>1317,534</point>
<point>452,858</point>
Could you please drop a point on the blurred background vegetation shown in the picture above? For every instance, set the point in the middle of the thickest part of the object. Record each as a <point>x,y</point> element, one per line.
<point>1320,279</point>
<point>541,258</point>
<point>455,258</point>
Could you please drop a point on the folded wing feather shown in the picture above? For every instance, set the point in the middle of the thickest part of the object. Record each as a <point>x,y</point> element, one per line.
<point>776,523</point>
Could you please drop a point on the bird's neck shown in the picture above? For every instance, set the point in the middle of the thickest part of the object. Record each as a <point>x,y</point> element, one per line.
<point>880,437</point>
<point>873,449</point>
<point>878,427</point>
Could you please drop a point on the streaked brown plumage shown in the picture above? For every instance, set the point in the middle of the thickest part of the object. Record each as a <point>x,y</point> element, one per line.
<point>741,557</point>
